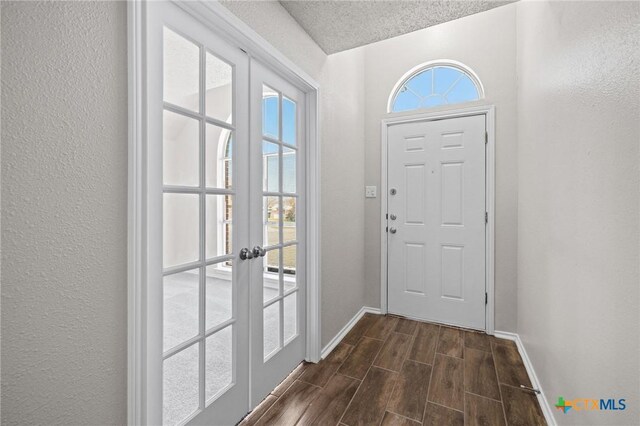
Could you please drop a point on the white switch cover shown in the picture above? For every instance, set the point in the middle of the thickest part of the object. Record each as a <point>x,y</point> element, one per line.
<point>370,191</point>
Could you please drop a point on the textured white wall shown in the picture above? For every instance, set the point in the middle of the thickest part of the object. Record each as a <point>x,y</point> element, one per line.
<point>486,43</point>
<point>64,186</point>
<point>343,249</point>
<point>342,159</point>
<point>578,201</point>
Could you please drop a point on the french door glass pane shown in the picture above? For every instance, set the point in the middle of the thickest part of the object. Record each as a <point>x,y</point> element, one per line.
<point>271,323</point>
<point>219,361</point>
<point>180,385</point>
<point>218,157</point>
<point>288,170</point>
<point>289,282</point>
<point>271,275</point>
<point>219,86</point>
<point>180,229</point>
<point>271,167</point>
<point>180,140</point>
<point>272,218</point>
<point>288,121</point>
<point>219,212</point>
<point>289,219</point>
<point>290,316</point>
<point>270,112</point>
<point>219,293</point>
<point>181,71</point>
<point>289,254</point>
<point>180,307</point>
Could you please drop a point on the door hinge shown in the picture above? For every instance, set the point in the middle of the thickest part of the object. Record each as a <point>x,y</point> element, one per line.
<point>486,298</point>
<point>486,217</point>
<point>387,216</point>
<point>486,138</point>
<point>386,229</point>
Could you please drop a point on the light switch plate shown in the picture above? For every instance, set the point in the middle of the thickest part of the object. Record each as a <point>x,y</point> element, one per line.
<point>370,191</point>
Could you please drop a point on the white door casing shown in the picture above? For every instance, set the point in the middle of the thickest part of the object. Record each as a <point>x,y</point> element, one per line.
<point>436,243</point>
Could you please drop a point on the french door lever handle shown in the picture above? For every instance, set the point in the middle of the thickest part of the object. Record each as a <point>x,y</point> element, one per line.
<point>246,254</point>
<point>259,251</point>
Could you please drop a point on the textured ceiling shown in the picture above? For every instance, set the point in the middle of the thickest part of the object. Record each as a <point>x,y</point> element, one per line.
<point>340,25</point>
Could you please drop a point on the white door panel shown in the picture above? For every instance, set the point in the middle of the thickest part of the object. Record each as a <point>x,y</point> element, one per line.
<point>436,257</point>
<point>198,320</point>
<point>278,291</point>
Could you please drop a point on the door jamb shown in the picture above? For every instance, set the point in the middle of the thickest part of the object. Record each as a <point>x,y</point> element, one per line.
<point>489,112</point>
<point>226,25</point>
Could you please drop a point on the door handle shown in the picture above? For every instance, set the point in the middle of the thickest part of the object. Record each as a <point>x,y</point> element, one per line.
<point>259,251</point>
<point>246,254</point>
<point>393,230</point>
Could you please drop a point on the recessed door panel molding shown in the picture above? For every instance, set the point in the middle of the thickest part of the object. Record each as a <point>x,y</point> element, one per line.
<point>436,255</point>
<point>414,143</point>
<point>452,140</point>
<point>452,271</point>
<point>414,176</point>
<point>452,193</point>
<point>414,277</point>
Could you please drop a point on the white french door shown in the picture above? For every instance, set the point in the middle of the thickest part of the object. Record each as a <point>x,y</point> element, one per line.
<point>278,293</point>
<point>436,220</point>
<point>198,204</point>
<point>225,302</point>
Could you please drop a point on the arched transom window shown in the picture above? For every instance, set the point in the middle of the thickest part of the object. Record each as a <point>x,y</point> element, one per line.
<point>435,84</point>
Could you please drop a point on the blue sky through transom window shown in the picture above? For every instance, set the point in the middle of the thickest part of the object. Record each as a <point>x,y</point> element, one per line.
<point>433,87</point>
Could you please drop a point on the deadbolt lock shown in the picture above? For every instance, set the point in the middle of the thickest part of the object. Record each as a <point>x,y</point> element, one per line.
<point>393,191</point>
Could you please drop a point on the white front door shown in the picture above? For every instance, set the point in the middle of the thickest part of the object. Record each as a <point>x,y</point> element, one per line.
<point>436,220</point>
<point>278,291</point>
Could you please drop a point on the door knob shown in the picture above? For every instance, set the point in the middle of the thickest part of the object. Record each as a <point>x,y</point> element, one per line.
<point>259,251</point>
<point>393,230</point>
<point>246,254</point>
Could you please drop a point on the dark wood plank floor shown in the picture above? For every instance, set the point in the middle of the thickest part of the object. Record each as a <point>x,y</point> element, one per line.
<point>395,371</point>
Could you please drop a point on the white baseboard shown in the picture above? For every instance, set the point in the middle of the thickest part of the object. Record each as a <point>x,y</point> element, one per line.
<point>535,383</point>
<point>342,333</point>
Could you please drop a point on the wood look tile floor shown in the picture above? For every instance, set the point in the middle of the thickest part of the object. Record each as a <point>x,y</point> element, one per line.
<point>395,371</point>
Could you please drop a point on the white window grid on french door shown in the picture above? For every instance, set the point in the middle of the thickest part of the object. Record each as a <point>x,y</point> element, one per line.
<point>279,271</point>
<point>223,262</point>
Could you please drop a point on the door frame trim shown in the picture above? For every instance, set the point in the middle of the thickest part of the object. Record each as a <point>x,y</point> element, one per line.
<point>393,119</point>
<point>226,25</point>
